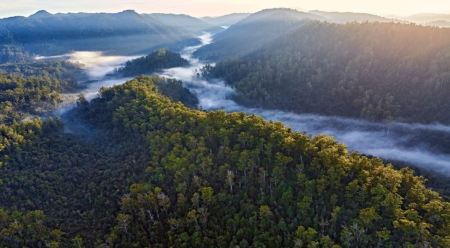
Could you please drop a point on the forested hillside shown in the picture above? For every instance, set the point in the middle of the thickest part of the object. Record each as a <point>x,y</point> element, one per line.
<point>34,88</point>
<point>211,179</point>
<point>254,32</point>
<point>120,33</point>
<point>76,178</point>
<point>142,165</point>
<point>375,71</point>
<point>216,179</point>
<point>157,60</point>
<point>12,53</point>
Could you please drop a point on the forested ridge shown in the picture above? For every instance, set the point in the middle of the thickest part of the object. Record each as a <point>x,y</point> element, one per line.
<point>34,88</point>
<point>141,165</point>
<point>375,71</point>
<point>150,172</point>
<point>157,60</point>
<point>12,53</point>
<point>221,179</point>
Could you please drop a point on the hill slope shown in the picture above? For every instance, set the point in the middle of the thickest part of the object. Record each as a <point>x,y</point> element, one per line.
<point>157,60</point>
<point>254,32</point>
<point>203,179</point>
<point>376,71</point>
<point>217,179</point>
<point>121,33</point>
<point>340,17</point>
<point>187,22</point>
<point>226,20</point>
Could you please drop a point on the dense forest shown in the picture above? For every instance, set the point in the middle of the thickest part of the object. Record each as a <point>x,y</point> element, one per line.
<point>35,87</point>
<point>144,171</point>
<point>157,60</point>
<point>375,71</point>
<point>12,53</point>
<point>142,165</point>
<point>76,177</point>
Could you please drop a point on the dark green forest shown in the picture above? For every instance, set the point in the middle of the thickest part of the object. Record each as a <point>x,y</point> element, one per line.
<point>13,53</point>
<point>34,88</point>
<point>142,165</point>
<point>143,171</point>
<point>374,71</point>
<point>157,60</point>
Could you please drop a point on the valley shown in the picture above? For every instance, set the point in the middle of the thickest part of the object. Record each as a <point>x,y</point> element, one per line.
<point>393,141</point>
<point>202,138</point>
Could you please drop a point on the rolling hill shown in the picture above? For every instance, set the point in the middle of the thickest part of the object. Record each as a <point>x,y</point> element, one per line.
<point>341,17</point>
<point>226,20</point>
<point>119,33</point>
<point>374,71</point>
<point>254,32</point>
<point>186,22</point>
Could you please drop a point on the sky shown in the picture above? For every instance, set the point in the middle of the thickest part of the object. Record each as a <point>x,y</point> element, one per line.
<point>201,8</point>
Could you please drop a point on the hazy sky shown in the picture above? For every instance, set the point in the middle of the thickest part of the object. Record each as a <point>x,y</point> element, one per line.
<point>201,8</point>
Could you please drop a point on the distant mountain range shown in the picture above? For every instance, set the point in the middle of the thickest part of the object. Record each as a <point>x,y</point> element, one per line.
<point>258,29</point>
<point>123,33</point>
<point>126,32</point>
<point>129,33</point>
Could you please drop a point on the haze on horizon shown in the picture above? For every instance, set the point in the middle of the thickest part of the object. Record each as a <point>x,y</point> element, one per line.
<point>201,8</point>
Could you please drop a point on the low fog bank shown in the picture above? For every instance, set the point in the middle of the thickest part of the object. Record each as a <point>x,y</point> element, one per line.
<point>95,64</point>
<point>416,144</point>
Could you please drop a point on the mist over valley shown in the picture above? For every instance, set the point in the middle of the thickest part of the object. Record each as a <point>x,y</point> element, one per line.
<point>265,129</point>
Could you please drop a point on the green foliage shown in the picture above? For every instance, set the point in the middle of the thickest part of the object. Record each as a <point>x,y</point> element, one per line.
<point>77,180</point>
<point>326,197</point>
<point>20,96</point>
<point>25,230</point>
<point>33,87</point>
<point>63,73</point>
<point>144,171</point>
<point>12,53</point>
<point>374,71</point>
<point>157,60</point>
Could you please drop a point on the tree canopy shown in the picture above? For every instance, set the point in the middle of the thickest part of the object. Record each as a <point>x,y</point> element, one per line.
<point>374,71</point>
<point>157,60</point>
